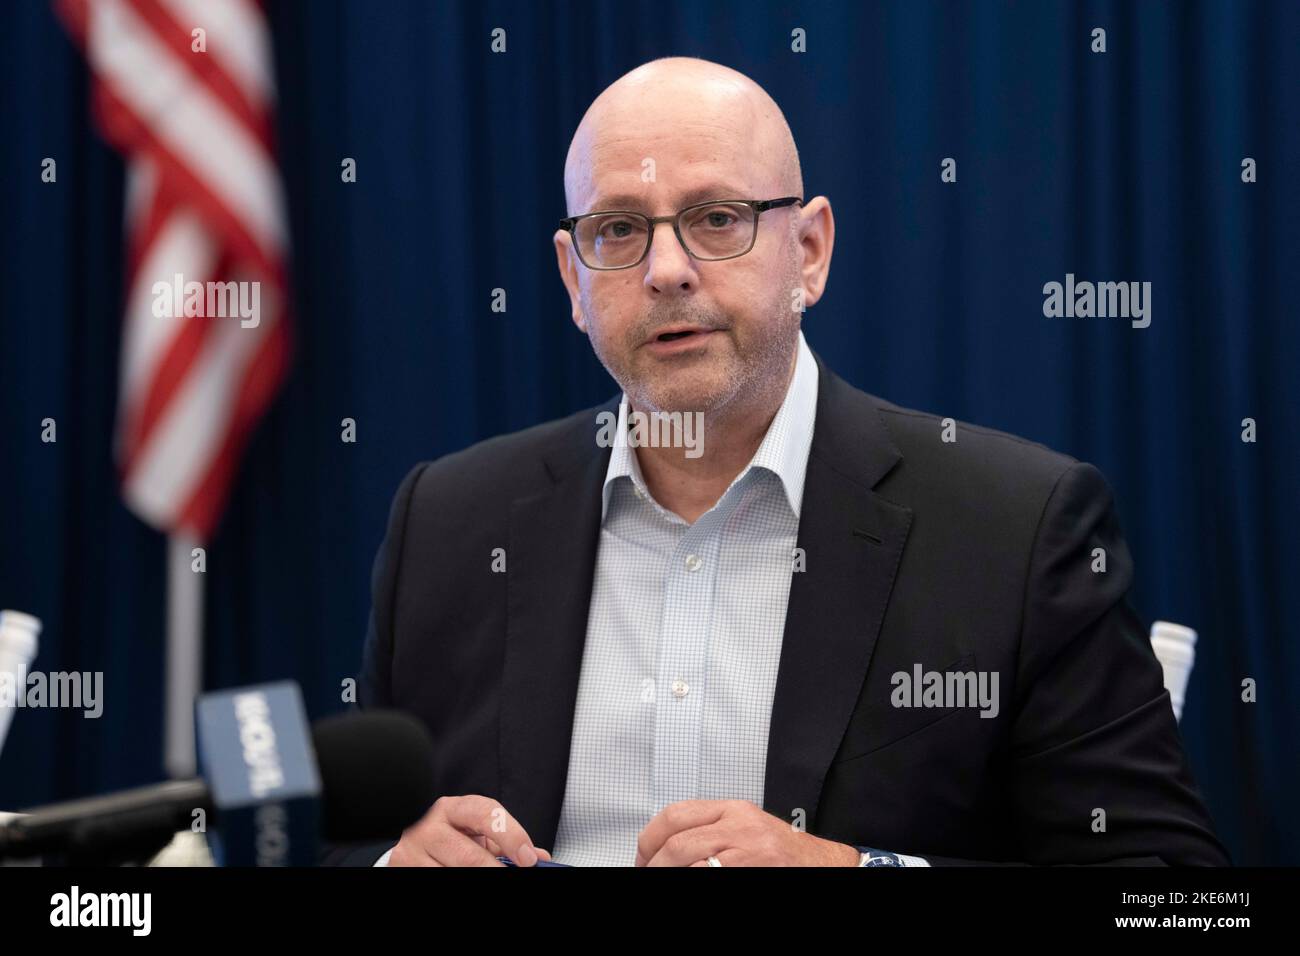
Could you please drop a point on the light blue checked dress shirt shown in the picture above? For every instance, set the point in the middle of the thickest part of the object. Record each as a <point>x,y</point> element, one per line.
<point>683,640</point>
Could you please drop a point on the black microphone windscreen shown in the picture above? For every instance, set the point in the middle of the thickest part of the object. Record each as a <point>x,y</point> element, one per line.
<point>376,771</point>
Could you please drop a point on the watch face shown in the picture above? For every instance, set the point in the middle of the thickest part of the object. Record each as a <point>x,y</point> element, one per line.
<point>877,858</point>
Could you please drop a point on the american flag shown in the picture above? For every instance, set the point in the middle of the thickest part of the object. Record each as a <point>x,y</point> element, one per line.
<point>184,89</point>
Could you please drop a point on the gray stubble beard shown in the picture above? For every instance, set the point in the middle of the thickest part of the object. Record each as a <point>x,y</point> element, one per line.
<point>758,383</point>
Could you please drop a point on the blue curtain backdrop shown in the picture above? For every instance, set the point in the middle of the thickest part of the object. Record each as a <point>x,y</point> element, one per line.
<point>1117,166</point>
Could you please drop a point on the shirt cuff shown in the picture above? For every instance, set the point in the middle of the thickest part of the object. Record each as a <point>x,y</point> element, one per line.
<point>383,860</point>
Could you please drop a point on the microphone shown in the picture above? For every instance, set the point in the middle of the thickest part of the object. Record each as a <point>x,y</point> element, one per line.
<point>18,641</point>
<point>371,773</point>
<point>376,769</point>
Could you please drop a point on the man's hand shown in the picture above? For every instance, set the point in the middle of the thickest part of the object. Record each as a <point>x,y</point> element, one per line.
<point>465,831</point>
<point>738,833</point>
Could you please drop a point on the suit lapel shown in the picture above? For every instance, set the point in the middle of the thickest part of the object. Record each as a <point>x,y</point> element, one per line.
<point>551,559</point>
<point>852,541</point>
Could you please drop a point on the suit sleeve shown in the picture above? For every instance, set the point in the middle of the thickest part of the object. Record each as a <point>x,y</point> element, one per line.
<point>374,683</point>
<point>1097,771</point>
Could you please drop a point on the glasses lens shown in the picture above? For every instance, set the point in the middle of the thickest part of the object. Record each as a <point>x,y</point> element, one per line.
<point>611,240</point>
<point>718,230</point>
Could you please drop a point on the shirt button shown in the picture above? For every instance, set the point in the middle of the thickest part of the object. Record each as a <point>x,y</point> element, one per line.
<point>639,493</point>
<point>680,688</point>
<point>693,562</point>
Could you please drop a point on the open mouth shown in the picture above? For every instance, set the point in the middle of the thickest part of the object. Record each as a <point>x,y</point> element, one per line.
<point>678,334</point>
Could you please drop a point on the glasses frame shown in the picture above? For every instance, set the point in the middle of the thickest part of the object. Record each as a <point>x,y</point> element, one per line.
<point>759,206</point>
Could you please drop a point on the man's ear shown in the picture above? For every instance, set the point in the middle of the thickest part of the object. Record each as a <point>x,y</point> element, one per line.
<point>816,236</point>
<point>567,260</point>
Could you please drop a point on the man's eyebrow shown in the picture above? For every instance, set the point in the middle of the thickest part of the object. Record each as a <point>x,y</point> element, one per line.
<point>690,198</point>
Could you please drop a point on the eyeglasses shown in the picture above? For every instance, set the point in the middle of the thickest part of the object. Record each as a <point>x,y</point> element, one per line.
<point>718,229</point>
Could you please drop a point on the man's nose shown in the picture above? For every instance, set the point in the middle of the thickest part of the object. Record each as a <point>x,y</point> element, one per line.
<point>669,268</point>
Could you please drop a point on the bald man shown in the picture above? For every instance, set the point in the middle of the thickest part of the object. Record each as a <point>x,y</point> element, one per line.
<point>744,614</point>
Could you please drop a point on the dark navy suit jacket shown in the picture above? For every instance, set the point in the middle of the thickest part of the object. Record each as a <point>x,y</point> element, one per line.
<point>970,555</point>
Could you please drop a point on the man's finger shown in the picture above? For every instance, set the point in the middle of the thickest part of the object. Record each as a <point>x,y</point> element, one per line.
<point>674,818</point>
<point>411,853</point>
<point>449,847</point>
<point>486,817</point>
<point>691,846</point>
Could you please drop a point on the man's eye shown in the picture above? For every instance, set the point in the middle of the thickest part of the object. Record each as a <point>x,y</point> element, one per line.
<point>618,229</point>
<point>719,220</point>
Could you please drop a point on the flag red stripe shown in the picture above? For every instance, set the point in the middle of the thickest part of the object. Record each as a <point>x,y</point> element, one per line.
<point>179,358</point>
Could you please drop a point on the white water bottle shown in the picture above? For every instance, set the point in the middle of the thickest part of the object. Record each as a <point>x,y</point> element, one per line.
<point>18,634</point>
<point>1175,648</point>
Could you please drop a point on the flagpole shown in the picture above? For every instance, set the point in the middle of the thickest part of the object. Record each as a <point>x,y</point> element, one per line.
<point>184,654</point>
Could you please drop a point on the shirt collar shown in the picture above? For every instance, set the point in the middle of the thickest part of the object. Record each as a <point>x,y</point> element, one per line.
<point>783,451</point>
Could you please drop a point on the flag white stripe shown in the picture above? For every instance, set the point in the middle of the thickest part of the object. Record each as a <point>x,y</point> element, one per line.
<point>237,38</point>
<point>188,438</point>
<point>181,246</point>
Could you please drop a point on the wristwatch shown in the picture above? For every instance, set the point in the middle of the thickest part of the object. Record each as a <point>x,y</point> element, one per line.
<point>872,857</point>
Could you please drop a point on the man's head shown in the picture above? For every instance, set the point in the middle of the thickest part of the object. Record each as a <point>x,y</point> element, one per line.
<point>665,136</point>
